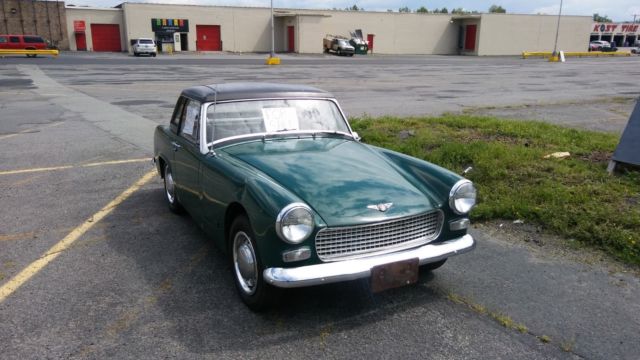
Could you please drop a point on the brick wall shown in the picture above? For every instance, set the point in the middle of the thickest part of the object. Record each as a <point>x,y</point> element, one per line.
<point>31,17</point>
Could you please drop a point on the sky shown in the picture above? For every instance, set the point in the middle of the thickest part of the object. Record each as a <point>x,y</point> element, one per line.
<point>618,10</point>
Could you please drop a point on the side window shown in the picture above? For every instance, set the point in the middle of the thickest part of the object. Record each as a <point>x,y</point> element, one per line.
<point>190,124</point>
<point>33,39</point>
<point>3,40</point>
<point>14,39</point>
<point>177,114</point>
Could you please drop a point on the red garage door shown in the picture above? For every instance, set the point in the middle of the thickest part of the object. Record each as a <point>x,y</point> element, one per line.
<point>105,37</point>
<point>208,38</point>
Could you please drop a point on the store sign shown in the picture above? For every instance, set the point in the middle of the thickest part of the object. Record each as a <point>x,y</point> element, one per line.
<point>615,28</point>
<point>170,25</point>
<point>79,26</point>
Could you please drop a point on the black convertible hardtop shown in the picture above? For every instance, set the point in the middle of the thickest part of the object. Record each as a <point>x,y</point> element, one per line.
<point>250,91</point>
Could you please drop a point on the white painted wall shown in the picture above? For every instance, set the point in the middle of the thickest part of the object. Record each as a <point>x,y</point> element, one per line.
<point>508,34</point>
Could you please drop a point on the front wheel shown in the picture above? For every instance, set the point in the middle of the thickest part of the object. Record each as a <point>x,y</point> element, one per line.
<point>170,191</point>
<point>247,267</point>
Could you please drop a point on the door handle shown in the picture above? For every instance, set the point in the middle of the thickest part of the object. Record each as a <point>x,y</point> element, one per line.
<point>176,146</point>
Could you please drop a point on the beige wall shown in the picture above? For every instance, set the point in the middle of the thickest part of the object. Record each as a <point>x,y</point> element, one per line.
<point>395,33</point>
<point>508,34</point>
<point>93,16</point>
<point>241,29</point>
<point>310,33</point>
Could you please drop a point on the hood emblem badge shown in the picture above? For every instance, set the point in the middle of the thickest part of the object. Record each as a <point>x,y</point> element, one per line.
<point>380,207</point>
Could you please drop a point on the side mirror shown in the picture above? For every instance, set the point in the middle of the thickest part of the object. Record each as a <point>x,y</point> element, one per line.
<point>356,136</point>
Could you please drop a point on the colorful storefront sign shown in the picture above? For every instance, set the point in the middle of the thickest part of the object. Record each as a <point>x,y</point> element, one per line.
<point>170,25</point>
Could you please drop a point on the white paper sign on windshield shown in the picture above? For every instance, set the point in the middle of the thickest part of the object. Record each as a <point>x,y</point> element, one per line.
<point>280,119</point>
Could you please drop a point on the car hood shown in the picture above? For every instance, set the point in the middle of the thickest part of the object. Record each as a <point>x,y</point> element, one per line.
<point>339,178</point>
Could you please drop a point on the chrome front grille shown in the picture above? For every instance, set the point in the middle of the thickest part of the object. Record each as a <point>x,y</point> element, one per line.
<point>350,242</point>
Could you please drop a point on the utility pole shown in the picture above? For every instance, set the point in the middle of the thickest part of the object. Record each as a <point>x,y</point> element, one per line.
<point>272,59</point>
<point>273,54</point>
<point>555,46</point>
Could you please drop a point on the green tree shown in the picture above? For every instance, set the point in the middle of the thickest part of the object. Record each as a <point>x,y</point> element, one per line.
<point>404,9</point>
<point>459,11</point>
<point>598,18</point>
<point>354,8</point>
<point>444,10</point>
<point>422,10</point>
<point>497,9</point>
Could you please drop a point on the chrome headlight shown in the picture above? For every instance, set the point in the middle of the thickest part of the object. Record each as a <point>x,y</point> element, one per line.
<point>462,197</point>
<point>295,223</point>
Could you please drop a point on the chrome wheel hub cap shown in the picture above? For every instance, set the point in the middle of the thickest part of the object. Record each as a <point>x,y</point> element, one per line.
<point>244,263</point>
<point>169,185</point>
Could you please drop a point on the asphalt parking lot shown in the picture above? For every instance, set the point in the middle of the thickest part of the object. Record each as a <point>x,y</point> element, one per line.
<point>93,265</point>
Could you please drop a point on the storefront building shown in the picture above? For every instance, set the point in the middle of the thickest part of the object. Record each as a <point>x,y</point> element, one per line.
<point>247,29</point>
<point>621,34</point>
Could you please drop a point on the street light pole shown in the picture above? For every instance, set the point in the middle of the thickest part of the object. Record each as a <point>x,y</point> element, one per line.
<point>273,54</point>
<point>555,46</point>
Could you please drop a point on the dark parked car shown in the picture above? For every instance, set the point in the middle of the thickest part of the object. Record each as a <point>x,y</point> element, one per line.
<point>277,178</point>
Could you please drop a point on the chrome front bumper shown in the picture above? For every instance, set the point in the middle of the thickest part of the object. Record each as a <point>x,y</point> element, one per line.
<point>361,268</point>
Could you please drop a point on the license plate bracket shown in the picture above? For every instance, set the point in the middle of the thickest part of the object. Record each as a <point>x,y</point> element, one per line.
<point>393,275</point>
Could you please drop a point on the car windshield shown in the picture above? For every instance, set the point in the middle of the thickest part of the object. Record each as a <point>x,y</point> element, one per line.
<point>145,41</point>
<point>272,116</point>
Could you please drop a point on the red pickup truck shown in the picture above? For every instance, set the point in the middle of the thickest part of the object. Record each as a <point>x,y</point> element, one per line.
<point>22,42</point>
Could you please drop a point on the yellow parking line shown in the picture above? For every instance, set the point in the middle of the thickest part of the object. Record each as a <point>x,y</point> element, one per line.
<point>114,162</point>
<point>23,171</point>
<point>27,273</point>
<point>64,167</point>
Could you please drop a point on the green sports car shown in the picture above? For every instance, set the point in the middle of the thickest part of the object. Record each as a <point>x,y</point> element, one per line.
<point>277,178</point>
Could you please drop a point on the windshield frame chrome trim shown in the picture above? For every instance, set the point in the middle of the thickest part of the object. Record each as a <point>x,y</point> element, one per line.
<point>206,105</point>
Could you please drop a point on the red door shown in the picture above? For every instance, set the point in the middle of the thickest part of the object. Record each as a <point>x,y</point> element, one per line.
<point>208,38</point>
<point>370,41</point>
<point>106,37</point>
<point>291,39</point>
<point>81,42</point>
<point>470,37</point>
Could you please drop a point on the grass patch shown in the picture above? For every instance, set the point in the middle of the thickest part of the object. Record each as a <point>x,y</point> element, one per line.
<point>572,197</point>
<point>545,339</point>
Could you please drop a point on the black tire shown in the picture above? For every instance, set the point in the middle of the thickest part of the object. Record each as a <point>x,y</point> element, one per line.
<point>339,52</point>
<point>153,54</point>
<point>170,191</point>
<point>434,265</point>
<point>247,267</point>
<point>350,55</point>
<point>136,54</point>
